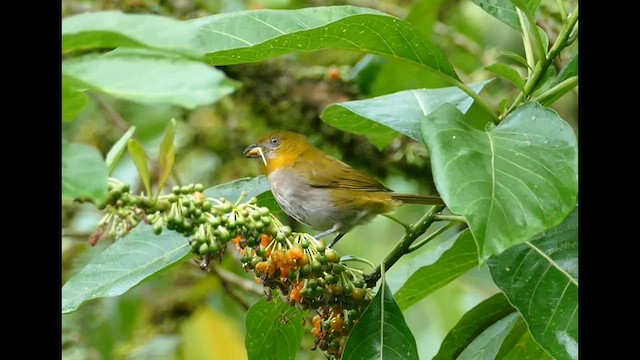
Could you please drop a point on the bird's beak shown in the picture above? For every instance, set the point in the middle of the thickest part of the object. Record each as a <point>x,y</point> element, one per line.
<point>254,151</point>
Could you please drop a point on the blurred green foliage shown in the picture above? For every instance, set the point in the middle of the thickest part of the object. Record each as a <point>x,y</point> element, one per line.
<point>159,318</point>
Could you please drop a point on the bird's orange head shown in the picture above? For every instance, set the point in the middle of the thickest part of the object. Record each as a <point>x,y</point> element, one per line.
<point>278,149</point>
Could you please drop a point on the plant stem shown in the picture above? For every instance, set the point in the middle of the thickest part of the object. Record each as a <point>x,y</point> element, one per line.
<point>402,248</point>
<point>541,66</point>
<point>550,96</point>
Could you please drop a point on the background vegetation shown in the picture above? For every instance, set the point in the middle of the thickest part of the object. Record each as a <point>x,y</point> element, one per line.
<point>185,313</point>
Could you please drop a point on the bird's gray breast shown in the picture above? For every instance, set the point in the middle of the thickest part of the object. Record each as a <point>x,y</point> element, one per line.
<point>306,204</point>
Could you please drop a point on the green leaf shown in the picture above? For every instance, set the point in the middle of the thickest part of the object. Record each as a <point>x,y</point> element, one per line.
<point>114,155</point>
<point>123,265</point>
<point>540,278</point>
<point>84,173</point>
<point>473,323</point>
<point>503,10</point>
<point>380,118</point>
<point>274,330</point>
<point>507,72</point>
<point>528,6</point>
<point>487,345</point>
<point>569,70</point>
<point>74,100</point>
<point>516,57</point>
<point>167,154</point>
<point>459,259</point>
<point>381,332</point>
<point>141,161</point>
<point>510,182</point>
<point>111,29</point>
<point>255,187</point>
<point>525,348</point>
<point>150,77</point>
<point>256,35</point>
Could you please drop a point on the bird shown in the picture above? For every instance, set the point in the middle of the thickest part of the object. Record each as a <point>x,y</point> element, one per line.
<point>321,191</point>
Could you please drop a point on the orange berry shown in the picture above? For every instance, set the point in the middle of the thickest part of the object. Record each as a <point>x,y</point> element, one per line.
<point>265,240</point>
<point>334,74</point>
<point>317,319</point>
<point>237,239</point>
<point>262,267</point>
<point>296,255</point>
<point>278,257</point>
<point>285,272</point>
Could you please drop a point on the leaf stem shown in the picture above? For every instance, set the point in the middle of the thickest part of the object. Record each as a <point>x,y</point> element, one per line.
<point>402,247</point>
<point>542,66</point>
<point>457,218</point>
<point>476,97</point>
<point>430,237</point>
<point>402,223</point>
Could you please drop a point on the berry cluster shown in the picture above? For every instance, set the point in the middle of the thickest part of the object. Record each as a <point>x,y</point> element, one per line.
<point>308,274</point>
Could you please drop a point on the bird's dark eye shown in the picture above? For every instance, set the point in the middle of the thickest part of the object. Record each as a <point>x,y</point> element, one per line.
<point>275,141</point>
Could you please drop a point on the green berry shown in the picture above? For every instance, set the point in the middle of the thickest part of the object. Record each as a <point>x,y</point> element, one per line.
<point>198,187</point>
<point>157,229</point>
<point>266,220</point>
<point>206,205</point>
<point>304,243</point>
<point>203,249</point>
<point>332,255</point>
<point>214,248</point>
<point>316,267</point>
<point>176,190</point>
<point>320,246</point>
<point>286,230</point>
<point>264,211</point>
<point>305,270</point>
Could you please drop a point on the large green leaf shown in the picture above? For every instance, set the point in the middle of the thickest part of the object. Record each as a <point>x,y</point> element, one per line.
<point>503,10</point>
<point>381,118</point>
<point>84,173</point>
<point>472,324</point>
<point>540,278</point>
<point>123,265</point>
<point>256,35</point>
<point>509,182</point>
<point>255,187</point>
<point>74,100</point>
<point>150,77</point>
<point>522,346</point>
<point>460,258</point>
<point>274,330</point>
<point>111,29</point>
<point>487,345</point>
<point>381,332</point>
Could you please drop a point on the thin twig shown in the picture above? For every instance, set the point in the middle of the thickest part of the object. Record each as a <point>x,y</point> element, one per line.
<point>237,281</point>
<point>111,113</point>
<point>229,289</point>
<point>401,249</point>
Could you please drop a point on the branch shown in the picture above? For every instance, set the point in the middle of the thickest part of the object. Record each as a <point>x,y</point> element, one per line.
<point>110,113</point>
<point>402,248</point>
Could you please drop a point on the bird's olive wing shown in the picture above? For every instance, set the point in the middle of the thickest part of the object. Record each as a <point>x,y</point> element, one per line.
<point>328,172</point>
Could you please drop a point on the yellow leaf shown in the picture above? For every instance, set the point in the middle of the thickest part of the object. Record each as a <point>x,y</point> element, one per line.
<point>209,335</point>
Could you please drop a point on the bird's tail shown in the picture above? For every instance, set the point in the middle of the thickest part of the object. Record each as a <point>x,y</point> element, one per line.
<point>418,199</point>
